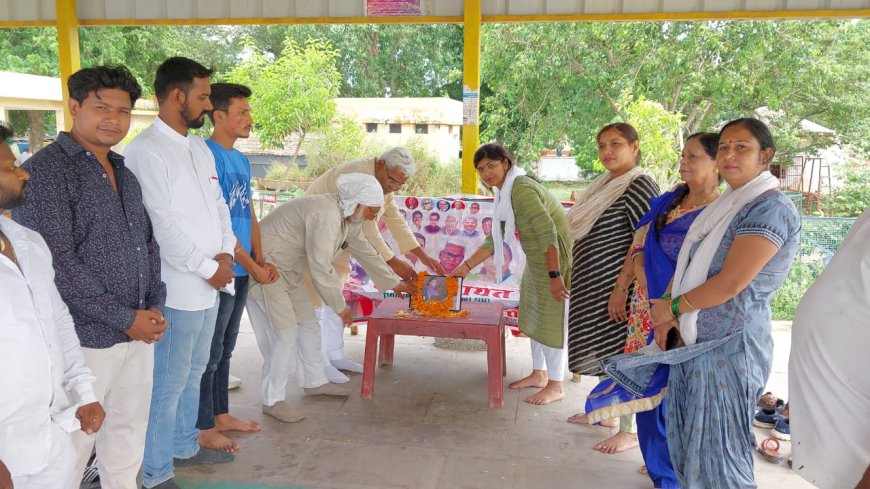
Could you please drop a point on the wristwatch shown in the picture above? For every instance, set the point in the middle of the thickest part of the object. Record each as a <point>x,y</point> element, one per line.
<point>555,273</point>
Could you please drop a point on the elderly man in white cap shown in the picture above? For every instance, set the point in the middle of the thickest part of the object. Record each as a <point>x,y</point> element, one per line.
<point>391,169</point>
<point>300,237</point>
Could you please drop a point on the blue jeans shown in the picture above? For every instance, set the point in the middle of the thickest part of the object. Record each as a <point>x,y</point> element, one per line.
<point>213,392</point>
<point>179,360</point>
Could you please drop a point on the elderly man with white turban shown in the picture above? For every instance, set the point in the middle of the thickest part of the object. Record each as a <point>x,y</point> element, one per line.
<point>391,169</point>
<point>303,236</point>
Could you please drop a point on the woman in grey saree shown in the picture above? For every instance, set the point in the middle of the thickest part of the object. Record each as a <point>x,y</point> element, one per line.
<point>735,256</point>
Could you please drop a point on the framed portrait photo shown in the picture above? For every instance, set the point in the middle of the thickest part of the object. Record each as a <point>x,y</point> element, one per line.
<point>437,292</point>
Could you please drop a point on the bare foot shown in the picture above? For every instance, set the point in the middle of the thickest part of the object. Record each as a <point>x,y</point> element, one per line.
<point>226,422</point>
<point>619,442</point>
<point>551,393</point>
<point>538,378</point>
<point>581,418</point>
<point>216,441</point>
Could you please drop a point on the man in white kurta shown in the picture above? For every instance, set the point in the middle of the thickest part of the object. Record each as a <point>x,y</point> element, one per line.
<point>829,370</point>
<point>46,389</point>
<point>304,236</point>
<point>391,169</point>
<point>191,221</point>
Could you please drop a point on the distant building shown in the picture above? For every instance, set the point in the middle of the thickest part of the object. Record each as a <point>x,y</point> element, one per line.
<point>435,121</point>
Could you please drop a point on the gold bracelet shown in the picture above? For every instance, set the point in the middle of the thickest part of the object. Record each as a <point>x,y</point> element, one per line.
<point>620,288</point>
<point>691,307</point>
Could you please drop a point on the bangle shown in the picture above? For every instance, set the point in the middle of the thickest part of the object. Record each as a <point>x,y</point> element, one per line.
<point>665,297</point>
<point>675,306</point>
<point>689,304</point>
<point>620,288</point>
<point>467,265</point>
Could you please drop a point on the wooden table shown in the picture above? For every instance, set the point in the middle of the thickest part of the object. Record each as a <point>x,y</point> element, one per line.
<point>484,322</point>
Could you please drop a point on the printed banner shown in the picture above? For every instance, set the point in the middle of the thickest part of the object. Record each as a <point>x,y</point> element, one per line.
<point>393,8</point>
<point>450,229</point>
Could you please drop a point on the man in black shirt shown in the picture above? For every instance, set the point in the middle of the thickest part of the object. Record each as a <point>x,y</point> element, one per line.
<point>88,207</point>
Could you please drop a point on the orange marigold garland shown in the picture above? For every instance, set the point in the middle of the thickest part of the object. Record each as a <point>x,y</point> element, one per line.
<point>434,308</point>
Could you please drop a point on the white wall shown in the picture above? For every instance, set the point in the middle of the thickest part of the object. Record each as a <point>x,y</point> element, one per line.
<point>558,168</point>
<point>442,139</point>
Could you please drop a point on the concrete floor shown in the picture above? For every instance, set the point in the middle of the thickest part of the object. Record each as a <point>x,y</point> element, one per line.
<point>429,426</point>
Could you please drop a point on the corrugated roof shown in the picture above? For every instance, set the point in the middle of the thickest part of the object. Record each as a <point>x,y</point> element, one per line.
<point>106,11</point>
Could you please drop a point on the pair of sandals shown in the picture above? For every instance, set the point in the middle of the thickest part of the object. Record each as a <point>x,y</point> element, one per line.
<point>771,403</point>
<point>769,447</point>
<point>769,451</point>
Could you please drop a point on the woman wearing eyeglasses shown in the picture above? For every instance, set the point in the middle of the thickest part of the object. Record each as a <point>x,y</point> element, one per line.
<point>523,206</point>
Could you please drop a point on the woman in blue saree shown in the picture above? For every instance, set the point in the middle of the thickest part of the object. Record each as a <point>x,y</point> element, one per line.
<point>735,256</point>
<point>658,239</point>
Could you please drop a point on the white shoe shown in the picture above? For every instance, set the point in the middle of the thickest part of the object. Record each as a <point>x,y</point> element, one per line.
<point>328,389</point>
<point>283,412</point>
<point>345,364</point>
<point>334,376</point>
<point>234,382</point>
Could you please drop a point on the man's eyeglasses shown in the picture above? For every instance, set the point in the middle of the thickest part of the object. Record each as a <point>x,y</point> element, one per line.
<point>488,167</point>
<point>452,256</point>
<point>393,182</point>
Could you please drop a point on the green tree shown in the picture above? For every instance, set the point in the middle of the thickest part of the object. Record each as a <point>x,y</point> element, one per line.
<point>659,133</point>
<point>853,197</point>
<point>546,82</point>
<point>378,60</point>
<point>294,94</point>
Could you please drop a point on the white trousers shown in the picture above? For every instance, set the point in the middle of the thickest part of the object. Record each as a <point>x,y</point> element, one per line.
<point>332,333</point>
<point>61,462</point>
<point>125,373</point>
<point>553,360</point>
<point>285,351</point>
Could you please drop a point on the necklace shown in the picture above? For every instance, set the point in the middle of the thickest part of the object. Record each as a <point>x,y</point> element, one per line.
<point>707,198</point>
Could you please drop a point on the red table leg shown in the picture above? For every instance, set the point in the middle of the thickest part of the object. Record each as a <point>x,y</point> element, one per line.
<point>385,351</point>
<point>369,365</point>
<point>503,353</point>
<point>495,369</point>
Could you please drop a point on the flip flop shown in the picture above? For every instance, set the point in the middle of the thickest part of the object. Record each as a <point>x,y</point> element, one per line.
<point>769,450</point>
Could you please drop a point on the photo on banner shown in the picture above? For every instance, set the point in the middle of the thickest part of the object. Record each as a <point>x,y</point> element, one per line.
<point>450,229</point>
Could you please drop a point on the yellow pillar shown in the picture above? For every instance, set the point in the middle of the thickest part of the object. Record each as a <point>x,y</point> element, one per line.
<point>67,50</point>
<point>470,95</point>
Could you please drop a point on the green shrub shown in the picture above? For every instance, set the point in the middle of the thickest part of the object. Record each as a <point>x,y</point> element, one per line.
<point>803,273</point>
<point>282,171</point>
<point>432,178</point>
<point>341,142</point>
<point>853,197</point>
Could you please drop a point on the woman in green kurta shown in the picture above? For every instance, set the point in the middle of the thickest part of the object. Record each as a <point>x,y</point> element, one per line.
<point>524,207</point>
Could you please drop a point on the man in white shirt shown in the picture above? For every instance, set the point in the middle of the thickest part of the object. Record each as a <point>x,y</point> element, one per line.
<point>192,225</point>
<point>49,392</point>
<point>828,384</point>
